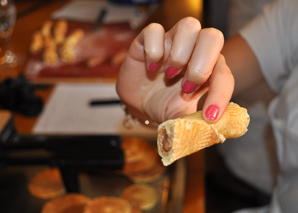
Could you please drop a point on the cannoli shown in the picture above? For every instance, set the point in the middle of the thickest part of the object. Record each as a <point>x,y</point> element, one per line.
<point>180,137</point>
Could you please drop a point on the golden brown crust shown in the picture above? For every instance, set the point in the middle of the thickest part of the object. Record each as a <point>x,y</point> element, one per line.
<point>60,31</point>
<point>183,136</point>
<point>108,205</point>
<point>134,148</point>
<point>47,184</point>
<point>147,161</point>
<point>142,195</point>
<point>69,203</point>
<point>148,176</point>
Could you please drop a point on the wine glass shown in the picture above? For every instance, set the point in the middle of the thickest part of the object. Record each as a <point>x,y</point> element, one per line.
<point>7,21</point>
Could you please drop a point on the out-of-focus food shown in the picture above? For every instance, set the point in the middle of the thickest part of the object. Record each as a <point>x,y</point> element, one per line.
<point>60,31</point>
<point>69,203</point>
<point>144,195</point>
<point>67,50</point>
<point>108,205</point>
<point>37,43</point>
<point>47,184</point>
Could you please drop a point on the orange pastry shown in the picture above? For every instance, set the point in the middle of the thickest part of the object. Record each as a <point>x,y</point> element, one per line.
<point>69,203</point>
<point>47,184</point>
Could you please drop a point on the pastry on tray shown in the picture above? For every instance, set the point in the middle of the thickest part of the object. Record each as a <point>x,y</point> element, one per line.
<point>143,195</point>
<point>47,184</point>
<point>69,203</point>
<point>180,137</point>
<point>107,204</point>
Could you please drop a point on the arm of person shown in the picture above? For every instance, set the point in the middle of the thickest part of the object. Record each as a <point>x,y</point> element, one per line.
<point>243,64</point>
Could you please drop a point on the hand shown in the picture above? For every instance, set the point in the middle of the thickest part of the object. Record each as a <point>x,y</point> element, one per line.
<point>165,74</point>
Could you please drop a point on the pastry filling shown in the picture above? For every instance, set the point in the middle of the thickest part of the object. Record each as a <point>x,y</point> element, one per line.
<point>166,142</point>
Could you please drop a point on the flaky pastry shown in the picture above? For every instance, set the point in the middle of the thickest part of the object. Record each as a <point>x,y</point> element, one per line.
<point>180,137</point>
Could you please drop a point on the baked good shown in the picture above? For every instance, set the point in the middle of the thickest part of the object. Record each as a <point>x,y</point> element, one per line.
<point>134,148</point>
<point>67,50</point>
<point>47,184</point>
<point>143,195</point>
<point>60,31</point>
<point>183,136</point>
<point>47,28</point>
<point>108,205</point>
<point>37,43</point>
<point>147,161</point>
<point>69,203</point>
<point>150,175</point>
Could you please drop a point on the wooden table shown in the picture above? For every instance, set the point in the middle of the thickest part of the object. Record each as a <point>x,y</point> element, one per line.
<point>168,14</point>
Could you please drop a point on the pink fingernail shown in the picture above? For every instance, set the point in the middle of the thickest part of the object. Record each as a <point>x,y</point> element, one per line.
<point>153,67</point>
<point>171,72</point>
<point>188,87</point>
<point>212,112</point>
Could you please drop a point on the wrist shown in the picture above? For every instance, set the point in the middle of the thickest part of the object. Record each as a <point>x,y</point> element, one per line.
<point>134,117</point>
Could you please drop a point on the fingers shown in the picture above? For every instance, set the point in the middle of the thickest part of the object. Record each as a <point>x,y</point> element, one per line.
<point>151,42</point>
<point>220,91</point>
<point>209,44</point>
<point>174,47</point>
<point>179,45</point>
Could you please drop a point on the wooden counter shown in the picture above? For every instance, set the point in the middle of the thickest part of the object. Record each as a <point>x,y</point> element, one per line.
<point>32,15</point>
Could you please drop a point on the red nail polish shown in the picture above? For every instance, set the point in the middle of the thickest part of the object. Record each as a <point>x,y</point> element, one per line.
<point>212,112</point>
<point>171,72</point>
<point>153,67</point>
<point>188,87</point>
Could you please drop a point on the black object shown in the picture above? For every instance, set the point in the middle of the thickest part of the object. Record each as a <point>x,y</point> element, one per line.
<point>70,154</point>
<point>104,102</point>
<point>18,95</point>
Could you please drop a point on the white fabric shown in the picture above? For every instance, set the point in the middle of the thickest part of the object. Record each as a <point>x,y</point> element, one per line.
<point>273,36</point>
<point>241,12</point>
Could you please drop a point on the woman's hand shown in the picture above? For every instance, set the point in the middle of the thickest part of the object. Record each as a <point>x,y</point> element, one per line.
<point>165,74</point>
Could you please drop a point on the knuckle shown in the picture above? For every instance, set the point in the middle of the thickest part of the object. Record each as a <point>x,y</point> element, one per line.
<point>154,28</point>
<point>191,23</point>
<point>178,58</point>
<point>201,75</point>
<point>214,34</point>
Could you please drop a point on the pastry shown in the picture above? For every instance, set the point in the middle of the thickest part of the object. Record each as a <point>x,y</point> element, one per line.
<point>67,50</point>
<point>37,43</point>
<point>47,184</point>
<point>183,136</point>
<point>134,148</point>
<point>150,175</point>
<point>60,31</point>
<point>143,195</point>
<point>108,205</point>
<point>147,161</point>
<point>46,28</point>
<point>69,203</point>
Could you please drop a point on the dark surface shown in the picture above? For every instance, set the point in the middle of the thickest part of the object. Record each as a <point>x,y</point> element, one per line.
<point>224,192</point>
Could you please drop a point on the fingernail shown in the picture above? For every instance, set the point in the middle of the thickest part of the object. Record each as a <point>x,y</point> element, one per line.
<point>212,112</point>
<point>153,67</point>
<point>188,87</point>
<point>171,72</point>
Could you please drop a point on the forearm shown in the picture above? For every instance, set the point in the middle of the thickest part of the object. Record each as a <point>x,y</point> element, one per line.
<point>243,64</point>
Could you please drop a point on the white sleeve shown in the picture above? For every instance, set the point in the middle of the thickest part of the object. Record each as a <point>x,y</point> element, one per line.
<point>270,36</point>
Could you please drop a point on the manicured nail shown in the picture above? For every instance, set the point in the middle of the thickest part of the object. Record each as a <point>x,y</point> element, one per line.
<point>153,67</point>
<point>171,72</point>
<point>188,87</point>
<point>212,112</point>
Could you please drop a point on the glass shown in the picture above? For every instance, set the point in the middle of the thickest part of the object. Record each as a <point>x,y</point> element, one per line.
<point>7,21</point>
